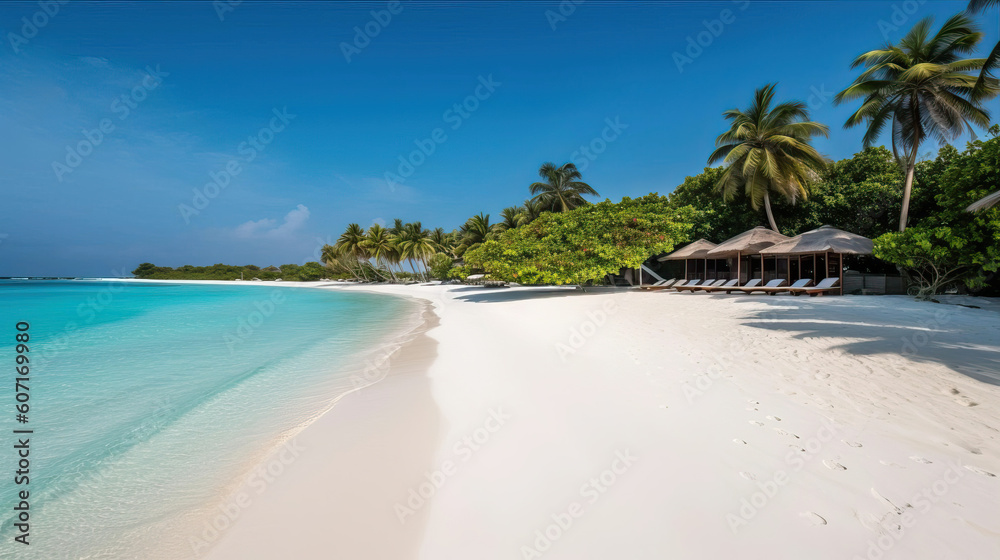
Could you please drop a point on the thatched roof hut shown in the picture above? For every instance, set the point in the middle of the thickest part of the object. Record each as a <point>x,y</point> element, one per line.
<point>749,242</point>
<point>697,250</point>
<point>826,239</point>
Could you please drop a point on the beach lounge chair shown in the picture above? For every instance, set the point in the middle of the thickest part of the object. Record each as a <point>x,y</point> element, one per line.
<point>681,286</point>
<point>691,285</point>
<point>708,284</point>
<point>776,283</point>
<point>802,283</point>
<point>725,286</point>
<point>825,285</point>
<point>661,285</point>
<point>752,283</point>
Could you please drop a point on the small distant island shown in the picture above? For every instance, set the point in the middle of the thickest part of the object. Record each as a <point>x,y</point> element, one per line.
<point>307,272</point>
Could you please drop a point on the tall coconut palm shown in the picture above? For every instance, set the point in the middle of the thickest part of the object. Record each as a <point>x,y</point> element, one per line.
<point>352,242</point>
<point>380,246</point>
<point>766,151</point>
<point>992,62</point>
<point>921,89</point>
<point>561,190</point>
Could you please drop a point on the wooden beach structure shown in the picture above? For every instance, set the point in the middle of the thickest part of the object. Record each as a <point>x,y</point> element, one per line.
<point>817,254</point>
<point>744,251</point>
<point>693,255</point>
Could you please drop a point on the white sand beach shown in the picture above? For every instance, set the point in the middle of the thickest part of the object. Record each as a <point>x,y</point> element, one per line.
<point>530,423</point>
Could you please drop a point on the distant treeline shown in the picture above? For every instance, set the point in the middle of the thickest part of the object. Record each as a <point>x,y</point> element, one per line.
<point>289,272</point>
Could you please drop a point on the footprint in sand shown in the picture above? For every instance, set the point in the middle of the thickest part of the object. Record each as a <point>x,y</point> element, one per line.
<point>891,464</point>
<point>920,459</point>
<point>756,423</point>
<point>784,433</point>
<point>978,470</point>
<point>833,465</point>
<point>852,443</point>
<point>885,501</point>
<point>752,408</point>
<point>813,518</point>
<point>748,476</point>
<point>751,401</point>
<point>775,418</point>
<point>739,441</point>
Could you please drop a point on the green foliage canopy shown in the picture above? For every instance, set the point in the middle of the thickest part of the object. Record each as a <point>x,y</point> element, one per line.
<point>585,244</point>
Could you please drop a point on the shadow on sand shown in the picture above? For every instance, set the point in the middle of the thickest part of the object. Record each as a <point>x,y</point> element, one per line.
<point>962,339</point>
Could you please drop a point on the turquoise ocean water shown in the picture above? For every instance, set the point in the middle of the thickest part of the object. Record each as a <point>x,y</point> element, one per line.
<point>149,402</point>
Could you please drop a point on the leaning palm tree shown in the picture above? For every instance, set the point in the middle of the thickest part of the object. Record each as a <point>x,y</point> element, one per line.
<point>416,244</point>
<point>351,242</point>
<point>982,90</point>
<point>988,201</point>
<point>561,190</point>
<point>380,246</point>
<point>766,151</point>
<point>921,89</point>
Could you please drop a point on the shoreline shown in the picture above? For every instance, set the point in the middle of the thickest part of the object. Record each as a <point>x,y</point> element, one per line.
<point>369,437</point>
<point>683,408</point>
<point>566,424</point>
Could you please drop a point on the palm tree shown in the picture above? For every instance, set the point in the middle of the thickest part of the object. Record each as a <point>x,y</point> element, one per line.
<point>512,218</point>
<point>766,150</point>
<point>561,190</point>
<point>416,244</point>
<point>922,89</point>
<point>380,246</point>
<point>352,242</point>
<point>531,209</point>
<point>475,231</point>
<point>982,90</point>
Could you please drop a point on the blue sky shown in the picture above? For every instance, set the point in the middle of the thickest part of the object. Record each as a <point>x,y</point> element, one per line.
<point>264,100</point>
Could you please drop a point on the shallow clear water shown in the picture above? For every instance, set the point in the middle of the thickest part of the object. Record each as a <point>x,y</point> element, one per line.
<point>150,401</point>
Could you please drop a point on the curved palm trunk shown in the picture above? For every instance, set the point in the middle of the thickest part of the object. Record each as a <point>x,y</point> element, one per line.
<point>911,167</point>
<point>770,216</point>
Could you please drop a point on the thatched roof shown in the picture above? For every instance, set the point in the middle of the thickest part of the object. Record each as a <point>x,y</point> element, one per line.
<point>697,250</point>
<point>747,243</point>
<point>821,240</point>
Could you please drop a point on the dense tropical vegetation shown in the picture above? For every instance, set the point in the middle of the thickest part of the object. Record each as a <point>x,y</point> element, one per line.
<point>921,89</point>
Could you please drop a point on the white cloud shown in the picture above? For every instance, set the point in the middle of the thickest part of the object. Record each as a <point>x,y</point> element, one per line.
<point>268,228</point>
